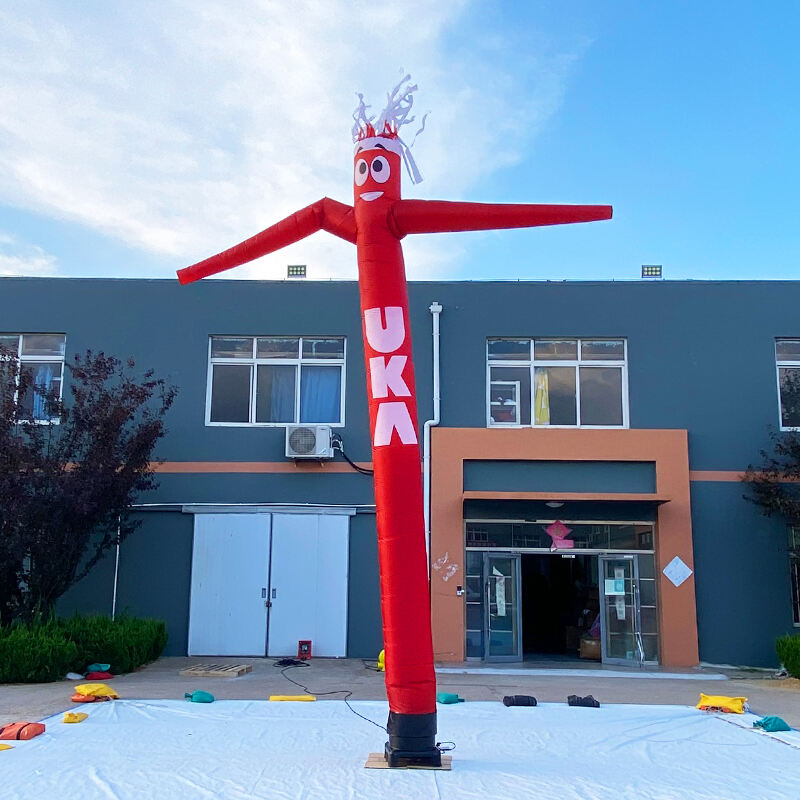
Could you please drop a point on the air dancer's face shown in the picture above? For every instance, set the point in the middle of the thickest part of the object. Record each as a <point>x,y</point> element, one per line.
<point>377,174</point>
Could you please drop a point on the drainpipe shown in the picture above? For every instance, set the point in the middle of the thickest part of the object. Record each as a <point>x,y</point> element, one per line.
<point>116,572</point>
<point>435,309</point>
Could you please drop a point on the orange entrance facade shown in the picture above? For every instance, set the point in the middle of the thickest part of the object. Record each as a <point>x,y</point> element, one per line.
<point>666,450</point>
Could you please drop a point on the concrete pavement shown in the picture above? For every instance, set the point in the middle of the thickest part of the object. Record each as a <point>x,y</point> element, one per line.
<point>161,680</point>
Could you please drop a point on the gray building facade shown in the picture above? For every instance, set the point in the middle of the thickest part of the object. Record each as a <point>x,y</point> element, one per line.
<point>593,367</point>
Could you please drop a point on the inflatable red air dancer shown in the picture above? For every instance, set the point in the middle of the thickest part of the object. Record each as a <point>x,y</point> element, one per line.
<point>376,223</point>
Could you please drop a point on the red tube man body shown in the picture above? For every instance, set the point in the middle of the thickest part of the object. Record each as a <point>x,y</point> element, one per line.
<point>376,223</point>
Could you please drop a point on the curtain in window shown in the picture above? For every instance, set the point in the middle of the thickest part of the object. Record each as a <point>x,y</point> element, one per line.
<point>282,394</point>
<point>42,380</point>
<point>541,407</point>
<point>320,394</point>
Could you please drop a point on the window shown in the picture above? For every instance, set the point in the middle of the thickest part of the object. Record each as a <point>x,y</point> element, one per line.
<point>787,359</point>
<point>41,355</point>
<point>557,382</point>
<point>794,568</point>
<point>275,380</point>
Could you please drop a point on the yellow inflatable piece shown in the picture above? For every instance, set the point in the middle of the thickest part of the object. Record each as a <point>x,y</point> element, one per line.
<point>301,698</point>
<point>74,716</point>
<point>6,746</point>
<point>96,690</point>
<point>382,661</point>
<point>719,702</point>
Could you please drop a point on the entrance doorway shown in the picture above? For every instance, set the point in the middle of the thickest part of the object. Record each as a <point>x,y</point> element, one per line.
<point>561,606</point>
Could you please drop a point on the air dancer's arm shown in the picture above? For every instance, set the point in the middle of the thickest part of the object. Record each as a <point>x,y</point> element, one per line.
<point>326,214</point>
<point>441,216</point>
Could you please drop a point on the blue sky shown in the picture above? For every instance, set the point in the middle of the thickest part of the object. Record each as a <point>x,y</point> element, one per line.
<point>136,140</point>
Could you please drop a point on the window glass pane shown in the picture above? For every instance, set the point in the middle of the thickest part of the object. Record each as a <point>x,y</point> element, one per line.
<point>231,347</point>
<point>46,377</point>
<point>554,396</point>
<point>489,534</point>
<point>603,350</point>
<point>555,349</point>
<point>790,396</point>
<point>504,402</point>
<point>43,344</point>
<point>9,343</point>
<point>275,392</point>
<point>510,349</point>
<point>323,348</point>
<point>788,349</point>
<point>474,647</point>
<point>647,592</point>
<point>277,347</point>
<point>320,394</point>
<point>506,383</point>
<point>601,396</point>
<point>230,393</point>
<point>474,560</point>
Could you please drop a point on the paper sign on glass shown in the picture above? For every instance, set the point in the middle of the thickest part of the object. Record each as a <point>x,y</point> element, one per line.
<point>499,591</point>
<point>614,586</point>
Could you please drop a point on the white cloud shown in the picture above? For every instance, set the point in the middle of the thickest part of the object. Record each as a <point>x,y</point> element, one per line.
<point>182,126</point>
<point>20,259</point>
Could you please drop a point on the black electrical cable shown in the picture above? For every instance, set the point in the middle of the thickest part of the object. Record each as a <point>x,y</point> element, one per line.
<point>346,692</point>
<point>291,663</point>
<point>339,445</point>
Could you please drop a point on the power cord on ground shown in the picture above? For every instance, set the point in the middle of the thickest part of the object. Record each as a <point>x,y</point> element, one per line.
<point>293,663</point>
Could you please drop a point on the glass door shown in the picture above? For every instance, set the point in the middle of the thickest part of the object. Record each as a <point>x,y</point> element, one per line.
<point>502,611</point>
<point>621,641</point>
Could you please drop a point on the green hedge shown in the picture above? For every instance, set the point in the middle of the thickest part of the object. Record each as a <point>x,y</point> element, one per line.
<point>788,649</point>
<point>34,655</point>
<point>46,651</point>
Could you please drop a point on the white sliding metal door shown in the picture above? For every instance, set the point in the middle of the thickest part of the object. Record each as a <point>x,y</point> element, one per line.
<point>308,583</point>
<point>230,567</point>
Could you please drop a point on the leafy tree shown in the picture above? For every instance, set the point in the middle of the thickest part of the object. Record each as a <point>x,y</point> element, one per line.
<point>66,484</point>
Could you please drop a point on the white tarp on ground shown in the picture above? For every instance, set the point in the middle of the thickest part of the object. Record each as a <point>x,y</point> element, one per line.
<point>240,750</point>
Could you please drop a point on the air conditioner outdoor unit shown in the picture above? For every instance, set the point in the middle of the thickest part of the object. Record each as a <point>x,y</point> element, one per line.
<point>309,441</point>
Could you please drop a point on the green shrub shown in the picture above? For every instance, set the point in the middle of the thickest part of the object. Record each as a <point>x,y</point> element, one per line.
<point>788,649</point>
<point>49,648</point>
<point>34,655</point>
<point>125,644</point>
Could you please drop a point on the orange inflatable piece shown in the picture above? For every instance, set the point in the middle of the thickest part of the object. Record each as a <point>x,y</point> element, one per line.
<point>19,731</point>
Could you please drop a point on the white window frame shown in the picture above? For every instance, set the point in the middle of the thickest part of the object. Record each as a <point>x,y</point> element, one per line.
<point>783,365</point>
<point>254,362</point>
<point>531,363</point>
<point>40,360</point>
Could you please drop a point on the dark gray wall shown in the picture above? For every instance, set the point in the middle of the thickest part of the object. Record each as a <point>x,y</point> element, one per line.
<point>560,476</point>
<point>700,354</point>
<point>155,564</point>
<point>741,577</point>
<point>700,357</point>
<point>364,636</point>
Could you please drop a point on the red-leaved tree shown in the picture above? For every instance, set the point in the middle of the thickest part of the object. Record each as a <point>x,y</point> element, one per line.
<point>67,482</point>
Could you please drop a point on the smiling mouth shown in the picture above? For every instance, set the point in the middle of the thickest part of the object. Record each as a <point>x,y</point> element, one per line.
<point>370,195</point>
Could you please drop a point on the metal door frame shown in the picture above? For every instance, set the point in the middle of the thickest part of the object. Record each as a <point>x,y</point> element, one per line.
<point>636,608</point>
<point>517,577</point>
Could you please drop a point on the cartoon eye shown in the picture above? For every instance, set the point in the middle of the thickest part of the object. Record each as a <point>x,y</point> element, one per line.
<point>380,169</point>
<point>362,172</point>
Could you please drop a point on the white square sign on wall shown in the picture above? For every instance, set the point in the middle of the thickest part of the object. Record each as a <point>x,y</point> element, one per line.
<point>677,571</point>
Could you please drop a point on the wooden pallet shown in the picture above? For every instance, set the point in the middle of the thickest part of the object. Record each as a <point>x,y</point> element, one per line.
<point>378,761</point>
<point>215,670</point>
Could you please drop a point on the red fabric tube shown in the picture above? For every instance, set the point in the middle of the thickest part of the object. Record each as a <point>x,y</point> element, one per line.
<point>442,216</point>
<point>405,596</point>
